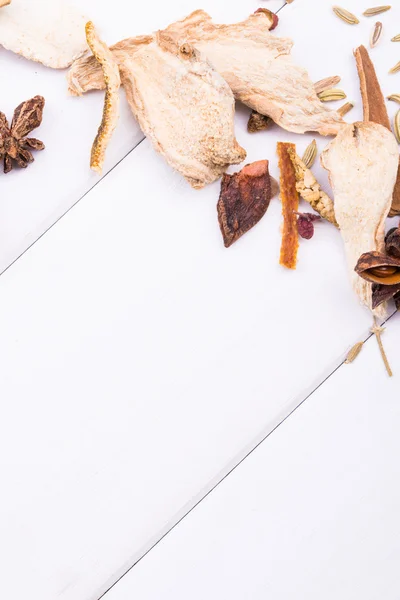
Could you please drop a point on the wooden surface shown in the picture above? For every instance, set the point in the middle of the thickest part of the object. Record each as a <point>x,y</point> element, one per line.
<point>142,361</point>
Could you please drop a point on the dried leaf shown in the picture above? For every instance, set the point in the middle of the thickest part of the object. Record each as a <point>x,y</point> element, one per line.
<point>290,204</point>
<point>243,201</point>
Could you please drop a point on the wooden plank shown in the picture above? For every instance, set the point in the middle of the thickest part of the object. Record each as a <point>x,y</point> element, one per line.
<point>312,513</point>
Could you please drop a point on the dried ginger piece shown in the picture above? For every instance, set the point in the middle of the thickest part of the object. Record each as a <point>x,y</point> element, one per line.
<point>290,205</point>
<point>375,107</point>
<point>244,200</point>
<point>310,190</point>
<point>111,102</point>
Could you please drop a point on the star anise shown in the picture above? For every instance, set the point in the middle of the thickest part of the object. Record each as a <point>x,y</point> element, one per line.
<point>14,145</point>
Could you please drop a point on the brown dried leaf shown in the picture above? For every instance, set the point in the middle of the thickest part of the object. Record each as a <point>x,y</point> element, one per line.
<point>243,201</point>
<point>290,204</point>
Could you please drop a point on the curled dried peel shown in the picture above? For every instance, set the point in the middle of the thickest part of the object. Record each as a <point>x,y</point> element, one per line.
<point>310,190</point>
<point>111,102</point>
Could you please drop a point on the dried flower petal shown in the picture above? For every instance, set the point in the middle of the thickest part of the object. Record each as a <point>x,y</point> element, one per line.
<point>243,201</point>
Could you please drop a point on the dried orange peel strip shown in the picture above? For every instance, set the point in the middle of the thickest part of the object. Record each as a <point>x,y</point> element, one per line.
<point>111,102</point>
<point>290,205</point>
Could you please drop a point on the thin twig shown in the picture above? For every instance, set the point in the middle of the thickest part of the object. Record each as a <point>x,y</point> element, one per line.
<point>378,333</point>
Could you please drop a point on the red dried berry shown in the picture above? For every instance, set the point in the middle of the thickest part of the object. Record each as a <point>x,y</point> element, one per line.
<point>305,224</point>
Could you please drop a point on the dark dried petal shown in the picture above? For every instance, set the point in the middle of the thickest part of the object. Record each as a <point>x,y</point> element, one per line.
<point>383,293</point>
<point>379,268</point>
<point>305,224</point>
<point>27,116</point>
<point>243,201</point>
<point>393,243</point>
<point>258,122</point>
<point>31,143</point>
<point>23,158</point>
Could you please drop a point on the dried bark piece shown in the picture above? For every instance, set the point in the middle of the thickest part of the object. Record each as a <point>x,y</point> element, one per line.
<point>375,108</point>
<point>14,145</point>
<point>290,205</point>
<point>310,190</point>
<point>243,201</point>
<point>362,162</point>
<point>256,65</point>
<point>46,31</point>
<point>111,100</point>
<point>258,122</point>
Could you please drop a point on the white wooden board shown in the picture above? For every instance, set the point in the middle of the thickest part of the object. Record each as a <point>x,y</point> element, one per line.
<point>32,200</point>
<point>312,513</point>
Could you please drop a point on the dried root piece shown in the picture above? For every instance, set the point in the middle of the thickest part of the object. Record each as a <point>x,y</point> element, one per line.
<point>244,200</point>
<point>375,107</point>
<point>111,102</point>
<point>310,190</point>
<point>290,205</point>
<point>258,122</point>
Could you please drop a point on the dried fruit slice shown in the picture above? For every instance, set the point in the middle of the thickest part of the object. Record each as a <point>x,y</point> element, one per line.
<point>244,200</point>
<point>375,107</point>
<point>111,102</point>
<point>290,205</point>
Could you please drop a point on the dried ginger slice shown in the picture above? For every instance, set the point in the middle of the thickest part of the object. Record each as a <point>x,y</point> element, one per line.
<point>111,101</point>
<point>290,205</point>
<point>375,107</point>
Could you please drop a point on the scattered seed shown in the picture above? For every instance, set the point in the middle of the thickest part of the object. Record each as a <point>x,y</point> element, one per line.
<point>326,84</point>
<point>376,10</point>
<point>343,110</point>
<point>353,353</point>
<point>376,34</point>
<point>345,15</point>
<point>395,68</point>
<point>310,154</point>
<point>396,38</point>
<point>394,98</point>
<point>331,95</point>
<point>396,126</point>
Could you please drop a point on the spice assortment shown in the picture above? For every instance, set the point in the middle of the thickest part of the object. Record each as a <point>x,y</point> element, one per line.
<point>196,69</point>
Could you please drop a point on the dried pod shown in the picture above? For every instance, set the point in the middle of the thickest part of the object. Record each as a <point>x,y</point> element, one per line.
<point>377,267</point>
<point>376,34</point>
<point>310,154</point>
<point>376,10</point>
<point>395,69</point>
<point>345,15</point>
<point>258,122</point>
<point>343,110</point>
<point>392,242</point>
<point>332,95</point>
<point>243,201</point>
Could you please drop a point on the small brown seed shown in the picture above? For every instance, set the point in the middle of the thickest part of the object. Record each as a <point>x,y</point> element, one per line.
<point>384,271</point>
<point>376,34</point>
<point>345,15</point>
<point>396,38</point>
<point>395,69</point>
<point>376,10</point>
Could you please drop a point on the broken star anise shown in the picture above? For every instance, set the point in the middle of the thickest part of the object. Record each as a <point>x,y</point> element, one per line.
<point>14,145</point>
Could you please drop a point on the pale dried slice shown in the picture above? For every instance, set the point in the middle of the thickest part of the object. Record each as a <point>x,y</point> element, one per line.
<point>375,108</point>
<point>244,200</point>
<point>256,64</point>
<point>47,31</point>
<point>4,3</point>
<point>184,107</point>
<point>362,162</point>
<point>290,205</point>
<point>310,190</point>
<point>111,101</point>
